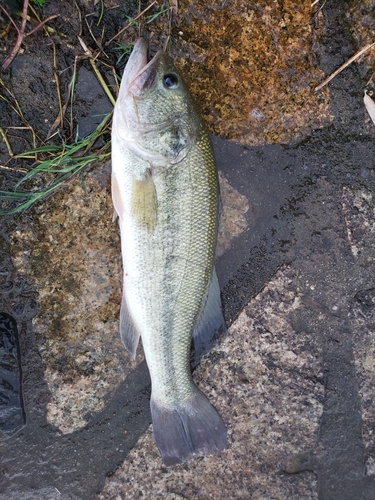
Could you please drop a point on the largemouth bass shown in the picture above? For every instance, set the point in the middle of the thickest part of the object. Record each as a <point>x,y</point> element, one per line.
<point>166,194</point>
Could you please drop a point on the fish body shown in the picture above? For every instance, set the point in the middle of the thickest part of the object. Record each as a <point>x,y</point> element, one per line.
<point>166,194</point>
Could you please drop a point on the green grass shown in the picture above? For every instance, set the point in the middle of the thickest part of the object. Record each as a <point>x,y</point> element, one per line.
<point>151,18</point>
<point>124,49</point>
<point>62,162</point>
<point>163,10</point>
<point>55,164</point>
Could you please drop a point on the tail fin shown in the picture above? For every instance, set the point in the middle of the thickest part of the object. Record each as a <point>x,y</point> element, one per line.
<point>191,428</point>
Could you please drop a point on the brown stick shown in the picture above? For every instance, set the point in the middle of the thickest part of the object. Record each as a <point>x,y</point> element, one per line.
<point>40,25</point>
<point>21,32</point>
<point>8,15</point>
<point>130,23</point>
<point>349,61</point>
<point>20,36</point>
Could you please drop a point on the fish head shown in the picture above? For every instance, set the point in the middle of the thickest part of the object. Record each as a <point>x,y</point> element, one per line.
<point>155,114</point>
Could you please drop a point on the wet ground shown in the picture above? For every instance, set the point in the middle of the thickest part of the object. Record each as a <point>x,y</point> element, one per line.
<point>294,377</point>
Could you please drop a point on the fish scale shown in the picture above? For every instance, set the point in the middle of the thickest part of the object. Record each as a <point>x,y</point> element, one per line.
<point>188,270</point>
<point>166,193</point>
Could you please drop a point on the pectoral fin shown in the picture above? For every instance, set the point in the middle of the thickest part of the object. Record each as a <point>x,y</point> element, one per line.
<point>116,198</point>
<point>210,324</point>
<point>128,331</point>
<point>144,203</point>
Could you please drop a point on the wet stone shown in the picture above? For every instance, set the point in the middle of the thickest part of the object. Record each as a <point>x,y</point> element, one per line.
<point>11,407</point>
<point>40,494</point>
<point>262,355</point>
<point>359,208</point>
<point>252,68</point>
<point>91,104</point>
<point>361,19</point>
<point>359,211</point>
<point>76,264</point>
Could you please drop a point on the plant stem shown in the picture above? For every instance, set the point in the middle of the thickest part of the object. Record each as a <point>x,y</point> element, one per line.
<point>21,32</point>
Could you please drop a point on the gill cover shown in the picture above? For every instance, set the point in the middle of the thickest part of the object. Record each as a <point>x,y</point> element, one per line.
<point>153,114</point>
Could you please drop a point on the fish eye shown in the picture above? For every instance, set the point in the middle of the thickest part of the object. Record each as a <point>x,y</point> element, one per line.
<point>170,81</point>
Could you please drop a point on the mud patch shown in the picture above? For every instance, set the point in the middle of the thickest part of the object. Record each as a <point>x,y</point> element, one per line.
<point>232,217</point>
<point>12,416</point>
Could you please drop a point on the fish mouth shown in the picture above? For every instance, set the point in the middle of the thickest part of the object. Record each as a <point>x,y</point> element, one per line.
<point>140,73</point>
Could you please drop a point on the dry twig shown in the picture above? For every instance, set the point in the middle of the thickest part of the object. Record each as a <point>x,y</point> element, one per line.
<point>347,63</point>
<point>7,143</point>
<point>88,53</point>
<point>131,22</point>
<point>21,31</point>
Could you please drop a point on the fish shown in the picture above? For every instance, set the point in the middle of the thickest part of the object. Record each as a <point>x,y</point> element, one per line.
<point>165,192</point>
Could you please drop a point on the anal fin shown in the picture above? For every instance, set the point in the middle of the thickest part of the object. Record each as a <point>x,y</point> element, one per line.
<point>128,331</point>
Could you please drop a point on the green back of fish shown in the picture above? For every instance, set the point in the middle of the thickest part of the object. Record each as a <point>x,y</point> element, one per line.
<point>178,253</point>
